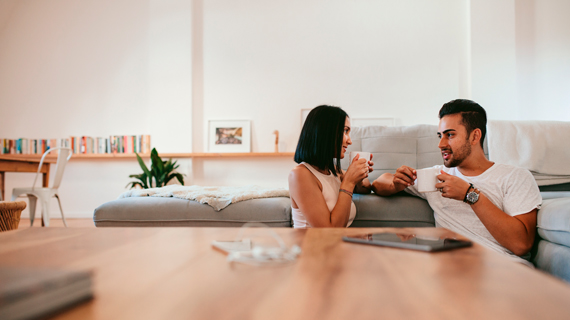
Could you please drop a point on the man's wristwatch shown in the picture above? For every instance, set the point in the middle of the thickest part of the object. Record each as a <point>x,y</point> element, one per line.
<point>472,195</point>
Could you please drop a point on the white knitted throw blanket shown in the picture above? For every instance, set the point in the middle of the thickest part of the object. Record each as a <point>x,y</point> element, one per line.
<point>217,197</point>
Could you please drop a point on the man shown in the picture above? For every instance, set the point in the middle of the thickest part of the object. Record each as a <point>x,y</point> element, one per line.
<point>490,203</point>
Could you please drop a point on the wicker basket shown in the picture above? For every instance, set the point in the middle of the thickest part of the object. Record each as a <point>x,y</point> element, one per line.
<point>10,214</point>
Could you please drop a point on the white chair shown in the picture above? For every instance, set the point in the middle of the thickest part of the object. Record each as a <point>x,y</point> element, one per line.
<point>45,194</point>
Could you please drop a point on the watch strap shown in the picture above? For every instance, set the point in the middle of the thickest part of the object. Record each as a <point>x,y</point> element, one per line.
<point>466,193</point>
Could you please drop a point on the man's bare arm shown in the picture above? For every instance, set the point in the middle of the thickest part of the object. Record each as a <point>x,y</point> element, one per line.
<point>388,184</point>
<point>383,185</point>
<point>363,186</point>
<point>514,233</point>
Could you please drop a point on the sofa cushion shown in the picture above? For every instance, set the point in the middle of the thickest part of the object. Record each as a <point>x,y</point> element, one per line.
<point>174,212</point>
<point>554,194</point>
<point>553,258</point>
<point>392,147</point>
<point>414,146</point>
<point>400,210</point>
<point>553,222</point>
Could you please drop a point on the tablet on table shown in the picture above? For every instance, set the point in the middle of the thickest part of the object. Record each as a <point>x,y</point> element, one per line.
<point>408,241</point>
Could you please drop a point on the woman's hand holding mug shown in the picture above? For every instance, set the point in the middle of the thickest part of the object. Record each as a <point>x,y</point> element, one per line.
<point>358,170</point>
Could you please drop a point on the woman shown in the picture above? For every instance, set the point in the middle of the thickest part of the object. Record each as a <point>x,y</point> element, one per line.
<point>321,192</point>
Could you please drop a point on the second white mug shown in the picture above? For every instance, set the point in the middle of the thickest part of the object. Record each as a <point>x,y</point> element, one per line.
<point>362,154</point>
<point>427,178</point>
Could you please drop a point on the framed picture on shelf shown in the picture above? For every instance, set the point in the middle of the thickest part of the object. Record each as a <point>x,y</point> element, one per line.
<point>229,136</point>
<point>363,122</point>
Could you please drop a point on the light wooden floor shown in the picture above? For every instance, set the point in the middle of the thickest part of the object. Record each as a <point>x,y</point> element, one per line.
<point>58,223</point>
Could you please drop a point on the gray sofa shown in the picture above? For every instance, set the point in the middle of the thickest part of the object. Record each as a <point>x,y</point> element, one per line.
<point>415,146</point>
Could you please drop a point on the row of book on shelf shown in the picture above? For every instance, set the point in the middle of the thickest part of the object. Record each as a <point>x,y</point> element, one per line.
<point>79,145</point>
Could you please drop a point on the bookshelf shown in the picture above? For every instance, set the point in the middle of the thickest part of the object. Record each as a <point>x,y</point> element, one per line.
<point>118,156</point>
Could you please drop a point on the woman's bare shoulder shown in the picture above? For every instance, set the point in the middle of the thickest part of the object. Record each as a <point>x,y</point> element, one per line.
<point>302,174</point>
<point>300,171</point>
<point>301,177</point>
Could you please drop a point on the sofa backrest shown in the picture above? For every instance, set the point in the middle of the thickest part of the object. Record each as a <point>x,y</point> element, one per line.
<point>414,146</point>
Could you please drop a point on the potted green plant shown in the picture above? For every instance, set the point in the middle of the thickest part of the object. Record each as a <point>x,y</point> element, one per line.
<point>160,171</point>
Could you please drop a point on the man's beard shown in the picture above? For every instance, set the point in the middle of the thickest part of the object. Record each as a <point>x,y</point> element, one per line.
<point>458,156</point>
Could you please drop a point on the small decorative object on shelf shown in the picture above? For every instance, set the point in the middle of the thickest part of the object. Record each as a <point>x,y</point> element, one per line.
<point>276,133</point>
<point>160,171</point>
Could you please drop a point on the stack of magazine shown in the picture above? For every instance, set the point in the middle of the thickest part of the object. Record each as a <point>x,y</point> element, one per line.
<point>36,293</point>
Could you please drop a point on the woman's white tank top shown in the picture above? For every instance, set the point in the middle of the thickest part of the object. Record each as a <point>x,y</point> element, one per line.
<point>331,187</point>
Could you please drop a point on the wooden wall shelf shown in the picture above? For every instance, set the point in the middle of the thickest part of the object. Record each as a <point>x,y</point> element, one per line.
<point>116,156</point>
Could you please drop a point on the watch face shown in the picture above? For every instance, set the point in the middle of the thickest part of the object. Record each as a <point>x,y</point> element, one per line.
<point>472,197</point>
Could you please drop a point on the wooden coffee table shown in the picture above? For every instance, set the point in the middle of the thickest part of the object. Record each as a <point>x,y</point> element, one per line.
<point>173,273</point>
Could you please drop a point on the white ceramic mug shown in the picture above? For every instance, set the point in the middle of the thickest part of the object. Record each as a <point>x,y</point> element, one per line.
<point>427,178</point>
<point>362,154</point>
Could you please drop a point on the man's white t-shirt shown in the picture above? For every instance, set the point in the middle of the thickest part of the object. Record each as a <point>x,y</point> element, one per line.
<point>511,189</point>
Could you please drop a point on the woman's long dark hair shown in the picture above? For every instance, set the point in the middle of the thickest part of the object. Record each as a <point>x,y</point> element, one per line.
<point>320,142</point>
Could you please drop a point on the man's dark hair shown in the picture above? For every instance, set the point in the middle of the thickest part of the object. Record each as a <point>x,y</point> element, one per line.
<point>473,116</point>
<point>321,138</point>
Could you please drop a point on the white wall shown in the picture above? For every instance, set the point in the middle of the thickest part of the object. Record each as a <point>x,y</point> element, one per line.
<point>167,67</point>
<point>96,68</point>
<point>267,60</point>
<point>551,58</point>
<point>493,57</point>
<point>519,56</point>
